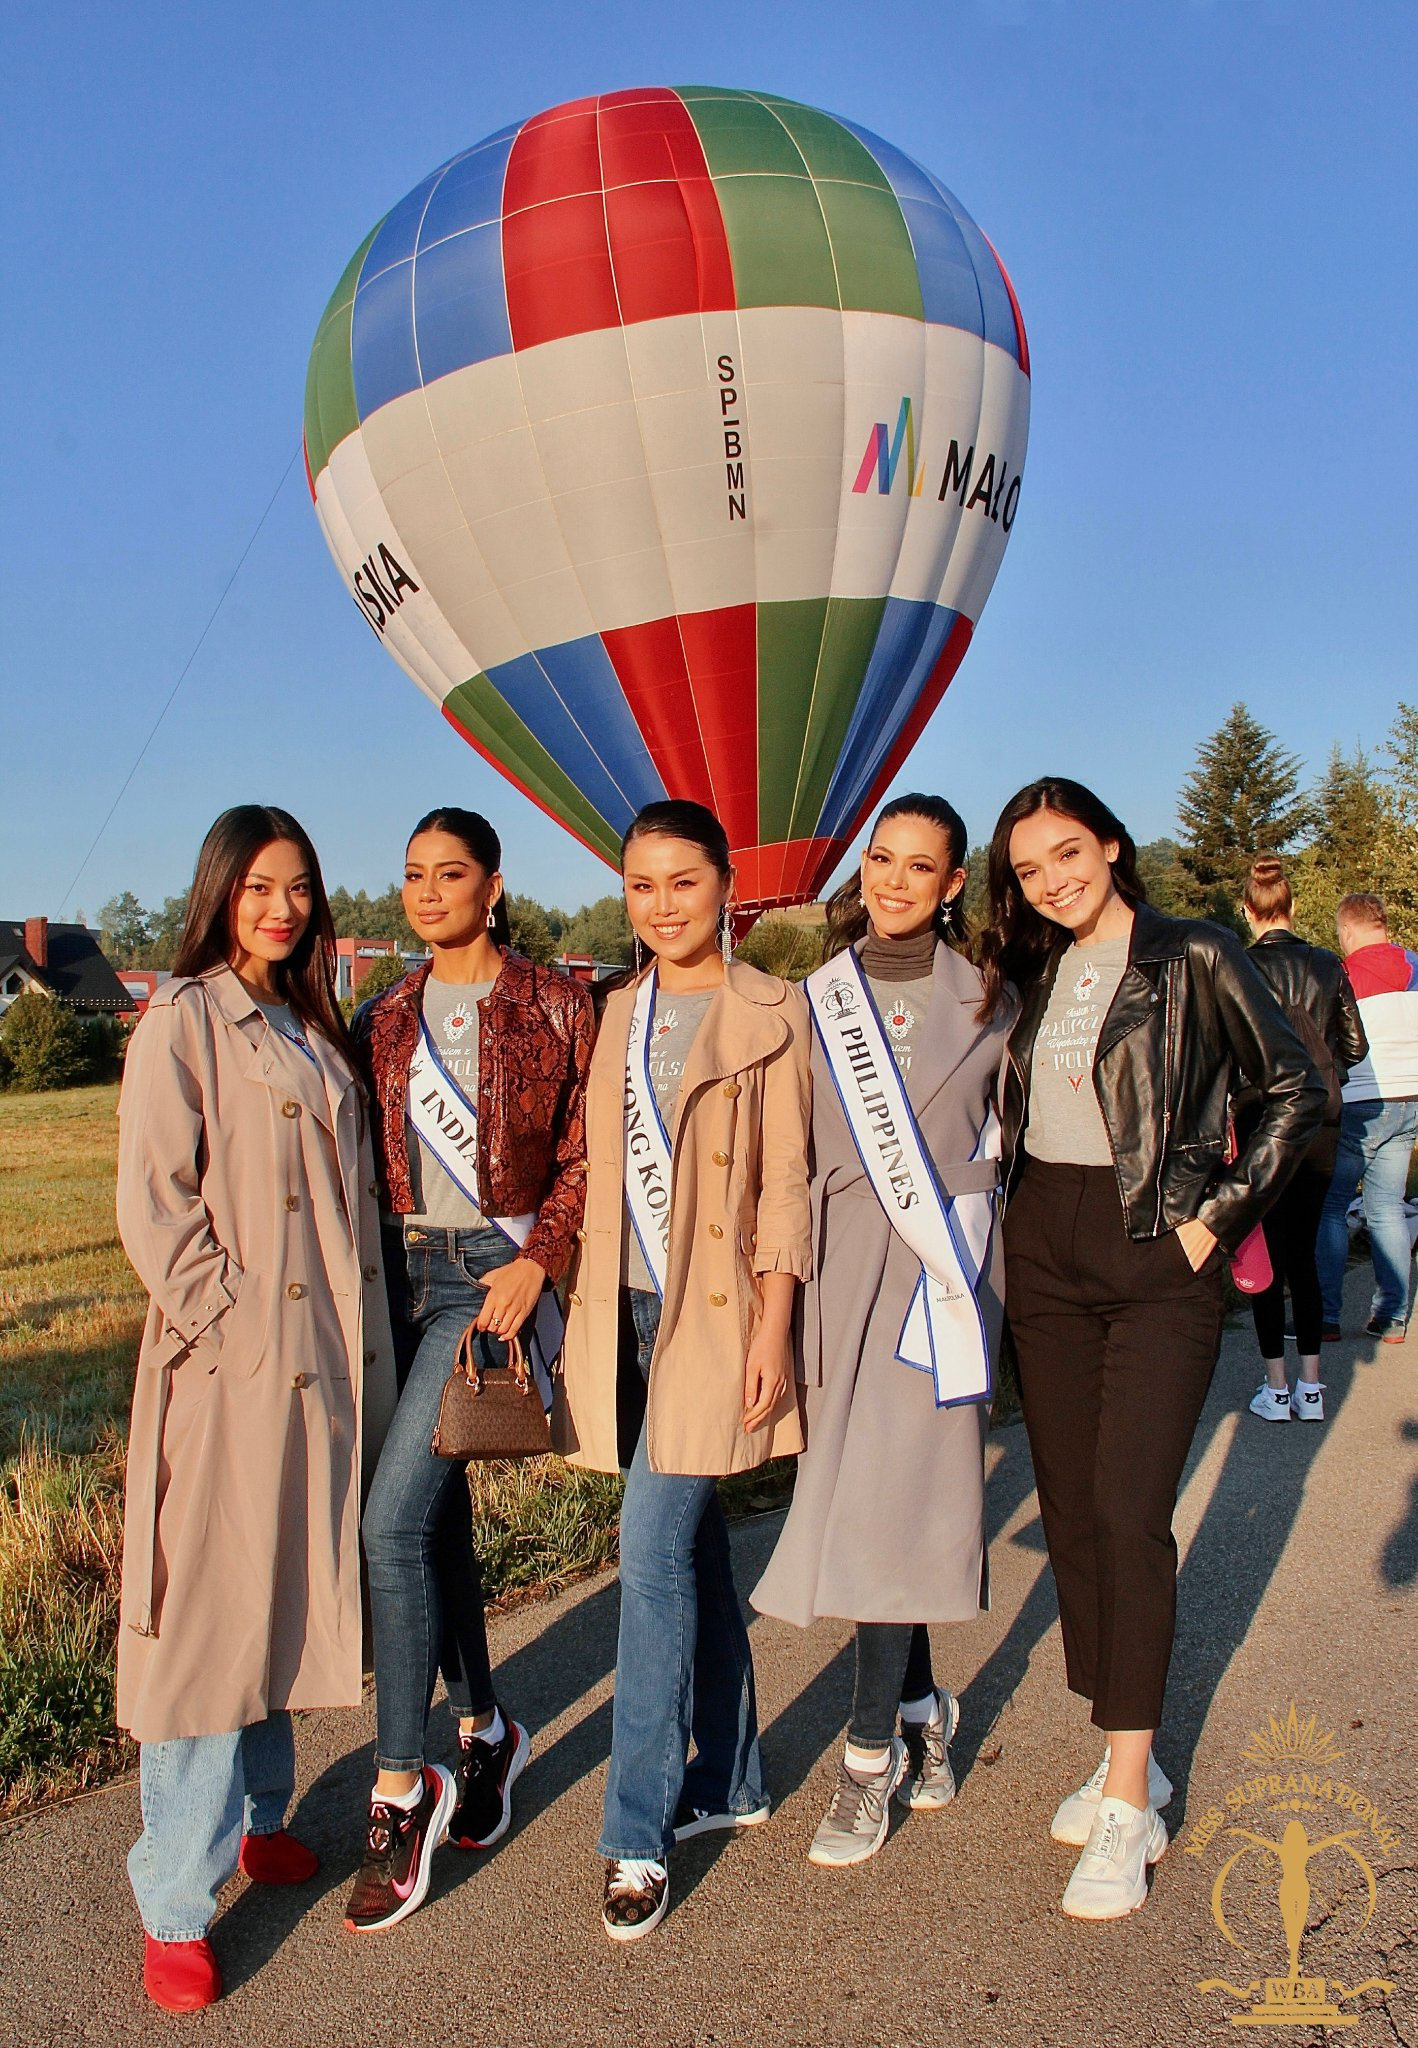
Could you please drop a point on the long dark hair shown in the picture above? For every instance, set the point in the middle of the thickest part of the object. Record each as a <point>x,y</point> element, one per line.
<point>483,848</point>
<point>1017,942</point>
<point>306,980</point>
<point>847,916</point>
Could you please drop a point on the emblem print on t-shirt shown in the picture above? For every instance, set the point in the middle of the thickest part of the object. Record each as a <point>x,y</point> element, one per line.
<point>458,1021</point>
<point>664,1024</point>
<point>1086,982</point>
<point>899,1020</point>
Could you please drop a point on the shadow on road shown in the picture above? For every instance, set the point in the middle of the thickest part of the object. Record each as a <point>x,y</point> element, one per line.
<point>1399,1561</point>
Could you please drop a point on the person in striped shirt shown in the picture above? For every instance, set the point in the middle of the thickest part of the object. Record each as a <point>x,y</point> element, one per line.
<point>1380,1121</point>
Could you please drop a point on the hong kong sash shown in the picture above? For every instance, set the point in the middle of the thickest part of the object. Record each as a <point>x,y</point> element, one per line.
<point>648,1159</point>
<point>944,1332</point>
<point>445,1121</point>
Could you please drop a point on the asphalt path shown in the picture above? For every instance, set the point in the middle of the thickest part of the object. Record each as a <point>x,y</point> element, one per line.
<point>1300,1559</point>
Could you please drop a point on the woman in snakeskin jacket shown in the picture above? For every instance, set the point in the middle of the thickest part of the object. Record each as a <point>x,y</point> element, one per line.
<point>476,1068</point>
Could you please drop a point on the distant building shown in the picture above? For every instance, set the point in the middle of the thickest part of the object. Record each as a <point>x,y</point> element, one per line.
<point>355,957</point>
<point>585,967</point>
<point>142,984</point>
<point>61,961</point>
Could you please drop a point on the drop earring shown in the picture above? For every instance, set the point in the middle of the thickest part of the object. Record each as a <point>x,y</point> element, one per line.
<point>639,954</point>
<point>726,934</point>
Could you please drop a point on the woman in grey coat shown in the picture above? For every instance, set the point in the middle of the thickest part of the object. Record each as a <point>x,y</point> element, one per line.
<point>887,1523</point>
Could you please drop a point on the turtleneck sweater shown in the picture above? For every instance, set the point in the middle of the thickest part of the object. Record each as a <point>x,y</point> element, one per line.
<point>899,959</point>
<point>899,973</point>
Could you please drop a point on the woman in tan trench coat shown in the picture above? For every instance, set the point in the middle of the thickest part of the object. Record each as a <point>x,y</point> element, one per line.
<point>688,1267</point>
<point>246,1204</point>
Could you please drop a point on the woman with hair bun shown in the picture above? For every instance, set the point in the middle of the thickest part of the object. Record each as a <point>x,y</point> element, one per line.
<point>477,1068</point>
<point>1121,1202</point>
<point>678,1361</point>
<point>887,1524</point>
<point>1313,990</point>
<point>264,1383</point>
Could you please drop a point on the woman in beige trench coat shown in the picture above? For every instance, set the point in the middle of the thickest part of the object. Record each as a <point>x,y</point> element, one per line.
<point>687,1271</point>
<point>246,1204</point>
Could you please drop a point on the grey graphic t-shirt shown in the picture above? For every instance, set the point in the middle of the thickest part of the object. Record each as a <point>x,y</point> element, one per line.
<point>901,1006</point>
<point>673,1030</point>
<point>450,1011</point>
<point>1065,1123</point>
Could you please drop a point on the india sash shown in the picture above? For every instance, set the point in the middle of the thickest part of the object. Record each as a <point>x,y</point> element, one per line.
<point>447,1123</point>
<point>944,1332</point>
<point>648,1159</point>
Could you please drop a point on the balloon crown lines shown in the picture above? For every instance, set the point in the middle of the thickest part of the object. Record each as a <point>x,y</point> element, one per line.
<point>593,432</point>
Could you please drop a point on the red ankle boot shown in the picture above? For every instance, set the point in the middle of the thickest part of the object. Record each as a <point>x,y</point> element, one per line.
<point>180,1975</point>
<point>277,1859</point>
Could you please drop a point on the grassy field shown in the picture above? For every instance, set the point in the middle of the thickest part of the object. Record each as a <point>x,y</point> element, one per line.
<point>71,1313</point>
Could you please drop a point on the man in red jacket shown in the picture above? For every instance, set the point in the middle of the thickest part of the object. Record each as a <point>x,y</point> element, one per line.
<point>1380,1121</point>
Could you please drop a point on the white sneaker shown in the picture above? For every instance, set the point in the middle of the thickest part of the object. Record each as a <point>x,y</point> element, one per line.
<point>1075,1817</point>
<point>1307,1401</point>
<point>1272,1404</point>
<point>1110,1877</point>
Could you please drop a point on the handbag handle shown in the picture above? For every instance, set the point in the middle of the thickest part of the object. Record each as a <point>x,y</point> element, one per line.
<point>466,1361</point>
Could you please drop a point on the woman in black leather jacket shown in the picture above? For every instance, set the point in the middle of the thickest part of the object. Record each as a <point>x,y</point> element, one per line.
<point>1135,1030</point>
<point>1313,990</point>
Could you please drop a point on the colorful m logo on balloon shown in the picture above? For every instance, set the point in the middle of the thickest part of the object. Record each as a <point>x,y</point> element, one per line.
<point>882,457</point>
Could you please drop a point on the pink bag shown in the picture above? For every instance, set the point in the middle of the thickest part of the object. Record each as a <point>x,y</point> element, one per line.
<point>1250,1263</point>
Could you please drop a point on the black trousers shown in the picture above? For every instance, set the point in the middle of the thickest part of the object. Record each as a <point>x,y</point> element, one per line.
<point>1117,1341</point>
<point>1291,1228</point>
<point>893,1664</point>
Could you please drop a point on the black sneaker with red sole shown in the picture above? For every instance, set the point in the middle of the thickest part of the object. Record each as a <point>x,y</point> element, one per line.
<point>486,1773</point>
<point>398,1848</point>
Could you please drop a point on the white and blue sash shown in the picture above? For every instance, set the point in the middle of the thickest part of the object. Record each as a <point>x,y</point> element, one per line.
<point>648,1159</point>
<point>443,1119</point>
<point>944,1332</point>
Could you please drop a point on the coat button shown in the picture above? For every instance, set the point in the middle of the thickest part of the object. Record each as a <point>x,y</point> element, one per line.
<point>718,1300</point>
<point>580,1237</point>
<point>731,1088</point>
<point>573,1301</point>
<point>290,1109</point>
<point>720,1158</point>
<point>300,1379</point>
<point>716,1229</point>
<point>292,1201</point>
<point>371,1272</point>
<point>295,1292</point>
<point>370,1356</point>
<point>373,1188</point>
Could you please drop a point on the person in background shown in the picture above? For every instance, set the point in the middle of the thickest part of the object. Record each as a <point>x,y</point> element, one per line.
<point>1379,1126</point>
<point>887,1523</point>
<point>678,1335</point>
<point>477,1066</point>
<point>1120,1206</point>
<point>265,1380</point>
<point>1313,990</point>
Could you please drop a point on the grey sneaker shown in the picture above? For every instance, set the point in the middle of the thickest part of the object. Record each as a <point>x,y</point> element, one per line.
<point>928,1780</point>
<point>856,1823</point>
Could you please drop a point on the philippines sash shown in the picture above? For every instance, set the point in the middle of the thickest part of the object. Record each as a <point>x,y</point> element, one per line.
<point>944,1332</point>
<point>447,1123</point>
<point>648,1159</point>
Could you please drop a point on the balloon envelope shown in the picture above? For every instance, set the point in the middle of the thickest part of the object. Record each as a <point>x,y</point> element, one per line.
<point>671,441</point>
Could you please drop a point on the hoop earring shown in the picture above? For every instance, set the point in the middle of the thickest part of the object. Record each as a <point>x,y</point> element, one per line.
<point>726,933</point>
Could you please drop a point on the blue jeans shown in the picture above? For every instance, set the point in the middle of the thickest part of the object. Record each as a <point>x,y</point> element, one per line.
<point>683,1665</point>
<point>200,1794</point>
<point>425,1589</point>
<point>1376,1141</point>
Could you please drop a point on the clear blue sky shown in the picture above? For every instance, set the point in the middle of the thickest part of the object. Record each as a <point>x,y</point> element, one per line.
<point>1207,211</point>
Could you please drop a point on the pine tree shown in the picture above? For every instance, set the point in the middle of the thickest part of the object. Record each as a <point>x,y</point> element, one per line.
<point>1242,798</point>
<point>1398,831</point>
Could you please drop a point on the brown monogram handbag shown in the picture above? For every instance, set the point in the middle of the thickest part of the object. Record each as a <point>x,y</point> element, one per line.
<point>490,1411</point>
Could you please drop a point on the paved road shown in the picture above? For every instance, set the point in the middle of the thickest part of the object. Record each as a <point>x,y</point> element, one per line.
<point>1300,1562</point>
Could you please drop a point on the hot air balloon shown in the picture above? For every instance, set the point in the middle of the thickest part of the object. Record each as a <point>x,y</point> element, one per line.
<point>670,440</point>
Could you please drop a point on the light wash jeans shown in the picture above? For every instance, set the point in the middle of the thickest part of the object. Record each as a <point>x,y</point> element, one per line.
<point>683,1665</point>
<point>200,1794</point>
<point>1376,1141</point>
